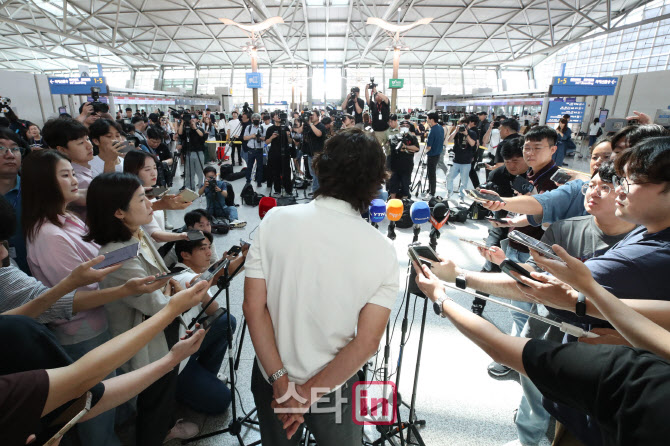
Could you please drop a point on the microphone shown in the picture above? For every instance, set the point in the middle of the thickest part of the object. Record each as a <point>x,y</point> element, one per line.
<point>438,217</point>
<point>420,214</point>
<point>265,205</point>
<point>394,210</point>
<point>377,212</point>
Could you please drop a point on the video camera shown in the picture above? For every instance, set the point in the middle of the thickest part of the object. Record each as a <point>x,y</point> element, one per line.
<point>5,105</point>
<point>372,84</point>
<point>336,115</point>
<point>177,114</point>
<point>398,140</point>
<point>98,107</point>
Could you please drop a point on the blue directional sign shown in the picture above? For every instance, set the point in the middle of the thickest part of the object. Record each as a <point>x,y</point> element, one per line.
<point>76,85</point>
<point>583,86</point>
<point>254,80</point>
<point>557,109</point>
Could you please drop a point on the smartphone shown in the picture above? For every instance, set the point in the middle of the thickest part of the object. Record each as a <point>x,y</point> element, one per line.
<point>482,197</point>
<point>497,220</point>
<point>244,243</point>
<point>119,255</point>
<point>164,276</point>
<point>188,195</point>
<point>126,147</point>
<point>234,250</point>
<point>195,235</point>
<point>212,271</point>
<point>426,251</point>
<point>507,266</point>
<point>535,244</point>
<point>522,185</point>
<point>561,176</point>
<point>158,191</point>
<point>474,243</point>
<point>70,424</point>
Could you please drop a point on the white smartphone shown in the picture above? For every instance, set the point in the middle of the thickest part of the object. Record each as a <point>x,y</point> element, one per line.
<point>532,243</point>
<point>474,243</point>
<point>188,195</point>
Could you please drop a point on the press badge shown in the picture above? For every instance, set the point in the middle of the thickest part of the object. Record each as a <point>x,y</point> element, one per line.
<point>380,116</point>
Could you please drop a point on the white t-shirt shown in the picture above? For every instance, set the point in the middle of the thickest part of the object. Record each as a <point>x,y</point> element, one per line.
<point>495,140</point>
<point>235,127</point>
<point>319,279</point>
<point>222,126</point>
<point>98,165</point>
<point>593,129</point>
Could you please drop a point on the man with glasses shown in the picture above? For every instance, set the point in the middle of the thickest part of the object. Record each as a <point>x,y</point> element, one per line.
<point>11,151</point>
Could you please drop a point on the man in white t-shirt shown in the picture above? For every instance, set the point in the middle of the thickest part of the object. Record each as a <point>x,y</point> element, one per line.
<point>320,285</point>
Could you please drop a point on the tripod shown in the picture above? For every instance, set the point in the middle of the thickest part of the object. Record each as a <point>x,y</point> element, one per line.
<point>420,181</point>
<point>235,426</point>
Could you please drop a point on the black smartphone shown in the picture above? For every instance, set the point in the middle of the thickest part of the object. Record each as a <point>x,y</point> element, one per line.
<point>426,251</point>
<point>119,255</point>
<point>522,185</point>
<point>482,197</point>
<point>535,244</point>
<point>157,191</point>
<point>497,220</point>
<point>507,266</point>
<point>194,235</point>
<point>126,147</point>
<point>561,176</point>
<point>234,250</point>
<point>164,276</point>
<point>212,271</point>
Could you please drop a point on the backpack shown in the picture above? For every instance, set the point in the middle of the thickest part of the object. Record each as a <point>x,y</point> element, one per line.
<point>459,215</point>
<point>225,170</point>
<point>230,198</point>
<point>406,219</point>
<point>236,175</point>
<point>247,192</point>
<point>220,226</point>
<point>477,212</point>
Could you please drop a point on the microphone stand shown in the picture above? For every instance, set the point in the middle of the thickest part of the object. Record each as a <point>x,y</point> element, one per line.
<point>391,231</point>
<point>417,230</point>
<point>434,235</point>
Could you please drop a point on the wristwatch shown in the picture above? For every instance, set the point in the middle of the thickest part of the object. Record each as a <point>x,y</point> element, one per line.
<point>461,282</point>
<point>437,305</point>
<point>276,375</point>
<point>580,306</point>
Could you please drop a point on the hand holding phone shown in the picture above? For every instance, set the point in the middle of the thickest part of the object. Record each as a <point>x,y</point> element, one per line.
<point>119,255</point>
<point>508,266</point>
<point>482,197</point>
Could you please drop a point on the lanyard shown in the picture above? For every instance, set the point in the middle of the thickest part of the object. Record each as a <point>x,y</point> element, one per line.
<point>536,180</point>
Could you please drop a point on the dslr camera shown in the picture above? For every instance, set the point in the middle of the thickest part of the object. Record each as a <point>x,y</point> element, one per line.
<point>98,107</point>
<point>211,184</point>
<point>5,105</point>
<point>397,141</point>
<point>259,135</point>
<point>372,84</point>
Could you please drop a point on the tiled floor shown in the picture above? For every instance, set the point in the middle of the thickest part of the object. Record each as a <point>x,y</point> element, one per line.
<point>461,403</point>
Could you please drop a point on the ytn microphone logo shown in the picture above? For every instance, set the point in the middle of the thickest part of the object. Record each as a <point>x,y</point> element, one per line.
<point>375,403</point>
<point>378,214</point>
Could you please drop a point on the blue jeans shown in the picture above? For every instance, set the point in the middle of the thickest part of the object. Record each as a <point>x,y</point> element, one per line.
<point>255,155</point>
<point>458,169</point>
<point>98,430</point>
<point>559,156</point>
<point>315,179</point>
<point>518,319</point>
<point>198,386</point>
<point>222,211</point>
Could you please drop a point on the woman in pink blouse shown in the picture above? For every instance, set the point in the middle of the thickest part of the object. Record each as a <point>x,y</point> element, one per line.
<point>55,247</point>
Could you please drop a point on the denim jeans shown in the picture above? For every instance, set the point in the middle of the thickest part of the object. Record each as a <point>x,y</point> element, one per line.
<point>195,163</point>
<point>255,156</point>
<point>197,385</point>
<point>223,211</point>
<point>98,430</point>
<point>315,179</point>
<point>461,170</point>
<point>559,156</point>
<point>518,319</point>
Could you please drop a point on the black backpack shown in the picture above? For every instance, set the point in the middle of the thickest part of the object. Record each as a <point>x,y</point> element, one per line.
<point>230,198</point>
<point>477,211</point>
<point>236,175</point>
<point>249,196</point>
<point>225,170</point>
<point>220,226</point>
<point>406,219</point>
<point>459,214</point>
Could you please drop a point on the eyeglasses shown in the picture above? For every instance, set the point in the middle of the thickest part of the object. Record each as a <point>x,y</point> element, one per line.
<point>533,149</point>
<point>15,150</point>
<point>603,190</point>
<point>624,183</point>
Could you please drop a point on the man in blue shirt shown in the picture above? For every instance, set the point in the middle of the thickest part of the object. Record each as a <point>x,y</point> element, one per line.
<point>10,186</point>
<point>434,147</point>
<point>216,192</point>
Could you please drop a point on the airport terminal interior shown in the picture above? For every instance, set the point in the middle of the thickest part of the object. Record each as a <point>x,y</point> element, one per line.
<point>228,108</point>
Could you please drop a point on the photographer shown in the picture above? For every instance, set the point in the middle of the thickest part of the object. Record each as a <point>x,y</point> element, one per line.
<point>297,138</point>
<point>215,192</point>
<point>354,105</point>
<point>465,139</point>
<point>254,137</point>
<point>193,147</point>
<point>314,137</point>
<point>380,109</point>
<point>348,122</point>
<point>327,122</point>
<point>87,114</point>
<point>280,154</point>
<point>403,146</point>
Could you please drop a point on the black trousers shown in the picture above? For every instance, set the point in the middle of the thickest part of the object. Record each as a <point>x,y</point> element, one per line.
<point>473,171</point>
<point>431,163</point>
<point>400,182</point>
<point>279,172</point>
<point>156,404</point>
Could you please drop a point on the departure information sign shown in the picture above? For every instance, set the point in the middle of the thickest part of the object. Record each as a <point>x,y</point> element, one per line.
<point>583,86</point>
<point>77,85</point>
<point>557,109</point>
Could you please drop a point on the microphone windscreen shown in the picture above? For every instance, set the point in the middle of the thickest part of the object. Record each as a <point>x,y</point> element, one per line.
<point>394,209</point>
<point>377,210</point>
<point>439,215</point>
<point>265,205</point>
<point>419,212</point>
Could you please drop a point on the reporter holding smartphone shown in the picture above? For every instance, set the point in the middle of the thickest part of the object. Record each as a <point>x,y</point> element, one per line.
<point>118,207</point>
<point>107,139</point>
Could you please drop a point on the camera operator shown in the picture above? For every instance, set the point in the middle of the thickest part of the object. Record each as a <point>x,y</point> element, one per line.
<point>327,122</point>
<point>87,114</point>
<point>403,146</point>
<point>254,137</point>
<point>354,105</point>
<point>472,143</point>
<point>296,138</point>
<point>215,192</point>
<point>348,122</point>
<point>314,137</point>
<point>407,123</point>
<point>278,137</point>
<point>464,151</point>
<point>380,109</point>
<point>193,147</point>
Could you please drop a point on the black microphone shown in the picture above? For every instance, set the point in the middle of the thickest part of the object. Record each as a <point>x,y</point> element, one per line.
<point>439,216</point>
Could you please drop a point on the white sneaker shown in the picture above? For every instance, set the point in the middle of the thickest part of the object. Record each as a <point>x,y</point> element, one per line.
<point>238,224</point>
<point>182,430</point>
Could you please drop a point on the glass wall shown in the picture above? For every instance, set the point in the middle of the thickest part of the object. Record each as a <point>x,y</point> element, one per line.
<point>633,50</point>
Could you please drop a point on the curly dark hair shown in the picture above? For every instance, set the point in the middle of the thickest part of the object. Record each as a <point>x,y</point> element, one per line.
<point>352,168</point>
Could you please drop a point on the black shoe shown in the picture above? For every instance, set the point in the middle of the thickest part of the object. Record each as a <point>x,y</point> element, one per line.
<point>498,370</point>
<point>478,309</point>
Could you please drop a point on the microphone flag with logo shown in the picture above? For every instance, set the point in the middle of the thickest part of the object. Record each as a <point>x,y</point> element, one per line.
<point>377,210</point>
<point>265,205</point>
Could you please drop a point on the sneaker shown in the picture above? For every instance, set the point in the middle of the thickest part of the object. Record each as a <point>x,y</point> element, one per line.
<point>238,224</point>
<point>168,226</point>
<point>498,370</point>
<point>182,430</point>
